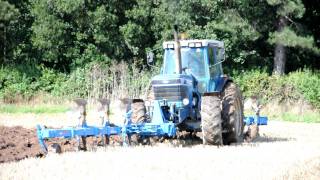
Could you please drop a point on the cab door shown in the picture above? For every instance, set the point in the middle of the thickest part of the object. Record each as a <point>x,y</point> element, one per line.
<point>215,55</point>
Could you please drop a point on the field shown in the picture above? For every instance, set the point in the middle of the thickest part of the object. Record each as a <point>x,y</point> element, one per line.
<point>284,150</point>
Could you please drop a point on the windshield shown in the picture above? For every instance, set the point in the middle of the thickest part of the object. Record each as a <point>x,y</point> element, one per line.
<point>193,59</point>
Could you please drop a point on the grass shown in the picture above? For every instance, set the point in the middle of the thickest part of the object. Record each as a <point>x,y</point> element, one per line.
<point>313,117</point>
<point>36,109</point>
<point>309,117</point>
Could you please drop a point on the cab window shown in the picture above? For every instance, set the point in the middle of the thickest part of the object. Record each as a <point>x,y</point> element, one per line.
<point>213,60</point>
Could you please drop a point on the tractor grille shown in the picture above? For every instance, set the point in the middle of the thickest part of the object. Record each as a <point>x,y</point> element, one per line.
<point>170,93</point>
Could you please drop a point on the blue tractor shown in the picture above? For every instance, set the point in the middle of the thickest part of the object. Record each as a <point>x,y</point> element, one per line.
<point>190,94</point>
<point>193,93</point>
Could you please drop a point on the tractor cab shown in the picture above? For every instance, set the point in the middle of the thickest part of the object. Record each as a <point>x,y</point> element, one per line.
<point>199,58</point>
<point>178,91</point>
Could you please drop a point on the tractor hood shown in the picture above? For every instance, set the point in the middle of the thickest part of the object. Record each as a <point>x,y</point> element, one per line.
<point>173,87</point>
<point>164,79</point>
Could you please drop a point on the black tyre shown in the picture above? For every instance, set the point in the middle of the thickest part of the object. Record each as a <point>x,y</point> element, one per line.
<point>232,114</point>
<point>138,111</point>
<point>211,120</point>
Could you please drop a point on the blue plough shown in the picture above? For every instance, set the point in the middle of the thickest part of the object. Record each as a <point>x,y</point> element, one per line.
<point>157,127</point>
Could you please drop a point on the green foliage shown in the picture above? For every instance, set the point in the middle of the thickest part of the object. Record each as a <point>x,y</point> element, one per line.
<point>23,84</point>
<point>14,85</point>
<point>97,80</point>
<point>288,7</point>
<point>252,83</point>
<point>292,87</point>
<point>64,35</point>
<point>74,33</point>
<point>73,48</point>
<point>7,12</point>
<point>38,109</point>
<point>49,80</point>
<point>306,117</point>
<point>133,33</point>
<point>91,54</point>
<point>290,39</point>
<point>307,83</point>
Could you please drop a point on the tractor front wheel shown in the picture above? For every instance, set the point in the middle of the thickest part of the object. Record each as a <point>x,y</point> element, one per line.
<point>211,120</point>
<point>232,114</point>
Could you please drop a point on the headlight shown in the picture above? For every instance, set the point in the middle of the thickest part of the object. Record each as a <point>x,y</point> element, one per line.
<point>185,101</point>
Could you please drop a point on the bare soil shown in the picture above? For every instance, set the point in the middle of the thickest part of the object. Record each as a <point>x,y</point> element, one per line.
<point>17,143</point>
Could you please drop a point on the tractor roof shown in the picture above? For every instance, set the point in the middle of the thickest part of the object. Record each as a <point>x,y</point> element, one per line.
<point>194,43</point>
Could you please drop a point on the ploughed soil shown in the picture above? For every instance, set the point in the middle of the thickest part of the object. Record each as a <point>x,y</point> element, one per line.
<point>17,143</point>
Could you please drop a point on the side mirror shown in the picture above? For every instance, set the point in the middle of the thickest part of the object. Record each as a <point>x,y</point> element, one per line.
<point>150,56</point>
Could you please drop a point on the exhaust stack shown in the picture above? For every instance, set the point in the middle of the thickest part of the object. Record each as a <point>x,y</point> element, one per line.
<point>177,50</point>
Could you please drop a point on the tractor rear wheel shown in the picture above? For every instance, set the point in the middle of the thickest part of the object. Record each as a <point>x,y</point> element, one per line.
<point>138,111</point>
<point>211,120</point>
<point>232,114</point>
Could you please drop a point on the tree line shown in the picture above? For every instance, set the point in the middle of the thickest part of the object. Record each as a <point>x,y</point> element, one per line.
<point>63,35</point>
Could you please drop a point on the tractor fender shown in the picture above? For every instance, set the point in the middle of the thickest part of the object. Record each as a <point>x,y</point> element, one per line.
<point>223,80</point>
<point>222,83</point>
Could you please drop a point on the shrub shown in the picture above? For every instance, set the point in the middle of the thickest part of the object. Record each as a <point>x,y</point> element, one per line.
<point>18,85</point>
<point>114,80</point>
<point>253,83</point>
<point>291,87</point>
<point>14,85</point>
<point>307,83</point>
<point>104,80</point>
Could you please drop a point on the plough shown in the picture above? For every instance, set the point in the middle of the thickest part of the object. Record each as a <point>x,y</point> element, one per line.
<point>145,129</point>
<point>157,127</point>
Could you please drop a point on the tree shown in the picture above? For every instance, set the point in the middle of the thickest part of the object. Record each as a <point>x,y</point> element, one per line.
<point>67,34</point>
<point>287,11</point>
<point>8,17</point>
<point>151,22</point>
<point>73,33</point>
